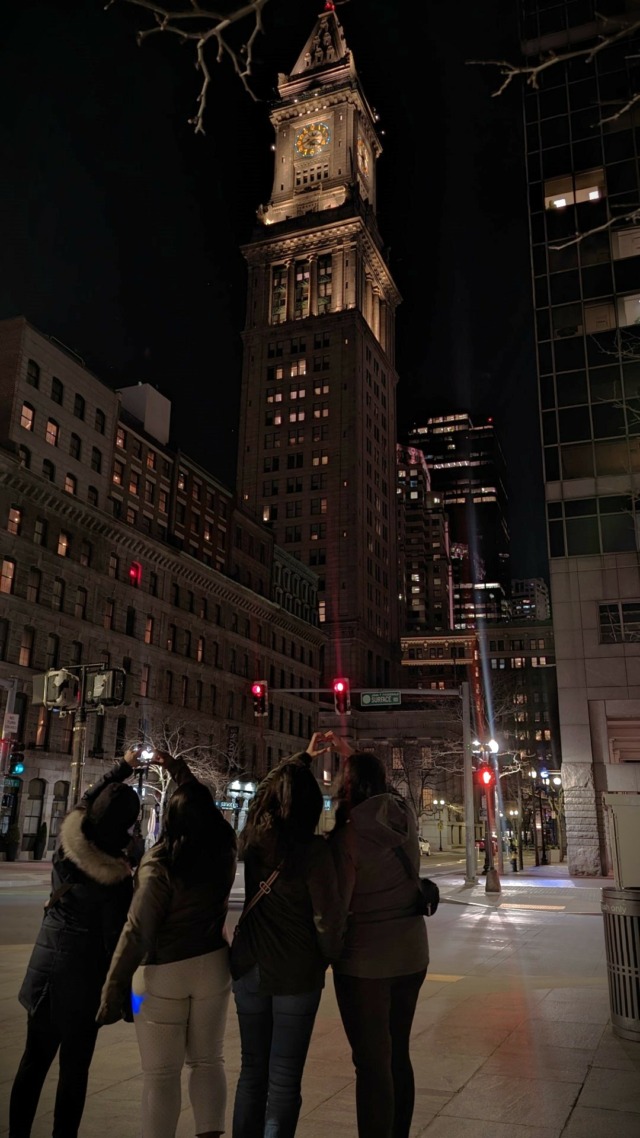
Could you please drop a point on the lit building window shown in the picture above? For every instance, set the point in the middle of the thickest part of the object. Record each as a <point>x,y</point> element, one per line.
<point>63,544</point>
<point>52,432</point>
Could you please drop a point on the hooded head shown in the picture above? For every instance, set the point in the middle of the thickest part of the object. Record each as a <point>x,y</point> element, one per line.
<point>109,818</point>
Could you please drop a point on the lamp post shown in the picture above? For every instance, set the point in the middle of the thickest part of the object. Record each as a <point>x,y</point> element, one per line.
<point>515,829</point>
<point>537,787</point>
<point>439,805</point>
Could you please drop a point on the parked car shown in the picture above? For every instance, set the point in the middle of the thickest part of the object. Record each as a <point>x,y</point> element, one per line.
<point>425,846</point>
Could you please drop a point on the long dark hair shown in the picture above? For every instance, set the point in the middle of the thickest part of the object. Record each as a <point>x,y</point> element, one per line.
<point>194,835</point>
<point>361,776</point>
<point>286,809</point>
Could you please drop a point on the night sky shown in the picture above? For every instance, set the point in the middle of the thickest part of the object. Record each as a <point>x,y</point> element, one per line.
<point>121,228</point>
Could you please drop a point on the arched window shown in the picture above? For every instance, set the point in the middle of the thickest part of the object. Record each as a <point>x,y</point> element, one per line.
<point>58,811</point>
<point>24,457</point>
<point>33,813</point>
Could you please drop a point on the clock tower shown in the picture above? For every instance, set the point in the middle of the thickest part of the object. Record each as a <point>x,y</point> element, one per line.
<point>316,456</point>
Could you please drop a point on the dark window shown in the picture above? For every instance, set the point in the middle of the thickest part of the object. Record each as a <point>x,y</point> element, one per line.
<point>57,390</point>
<point>78,406</point>
<point>33,373</point>
<point>101,421</point>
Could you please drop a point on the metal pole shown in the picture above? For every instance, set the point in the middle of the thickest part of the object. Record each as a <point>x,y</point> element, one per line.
<point>543,859</point>
<point>79,741</point>
<point>492,884</point>
<point>471,876</point>
<point>520,821</point>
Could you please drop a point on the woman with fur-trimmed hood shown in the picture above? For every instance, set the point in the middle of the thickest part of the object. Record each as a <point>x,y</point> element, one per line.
<point>91,889</point>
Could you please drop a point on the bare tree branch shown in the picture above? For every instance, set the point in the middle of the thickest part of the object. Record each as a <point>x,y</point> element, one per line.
<point>207,30</point>
<point>532,71</point>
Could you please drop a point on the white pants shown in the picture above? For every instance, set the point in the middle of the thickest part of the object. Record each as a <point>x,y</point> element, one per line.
<point>182,1017</point>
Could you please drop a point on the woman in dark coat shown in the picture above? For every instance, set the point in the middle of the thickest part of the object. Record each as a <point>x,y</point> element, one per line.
<point>286,939</point>
<point>385,955</point>
<point>91,888</point>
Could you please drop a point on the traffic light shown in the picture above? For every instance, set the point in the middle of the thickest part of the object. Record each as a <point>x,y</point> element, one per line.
<point>486,776</point>
<point>16,758</point>
<point>341,696</point>
<point>260,693</point>
<point>107,688</point>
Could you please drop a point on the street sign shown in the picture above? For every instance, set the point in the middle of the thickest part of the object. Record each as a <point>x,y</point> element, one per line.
<point>380,699</point>
<point>11,723</point>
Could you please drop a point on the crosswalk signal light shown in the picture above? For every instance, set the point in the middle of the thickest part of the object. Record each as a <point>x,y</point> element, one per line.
<point>260,693</point>
<point>486,776</point>
<point>341,696</point>
<point>16,759</point>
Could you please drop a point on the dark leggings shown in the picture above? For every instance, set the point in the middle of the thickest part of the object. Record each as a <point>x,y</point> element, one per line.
<point>76,1041</point>
<point>377,1017</point>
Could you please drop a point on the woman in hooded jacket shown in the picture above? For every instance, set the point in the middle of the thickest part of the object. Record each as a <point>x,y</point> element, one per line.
<point>384,960</point>
<point>91,888</point>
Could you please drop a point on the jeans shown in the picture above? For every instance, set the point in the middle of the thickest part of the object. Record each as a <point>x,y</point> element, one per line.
<point>182,1019</point>
<point>275,1032</point>
<point>76,1041</point>
<point>377,1016</point>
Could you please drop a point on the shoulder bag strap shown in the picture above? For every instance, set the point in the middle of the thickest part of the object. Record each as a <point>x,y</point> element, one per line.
<point>263,888</point>
<point>56,895</point>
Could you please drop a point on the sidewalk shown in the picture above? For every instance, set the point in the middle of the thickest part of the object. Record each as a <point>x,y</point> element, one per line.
<point>511,1037</point>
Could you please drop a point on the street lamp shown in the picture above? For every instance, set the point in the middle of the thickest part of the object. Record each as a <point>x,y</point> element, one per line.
<point>439,804</point>
<point>537,786</point>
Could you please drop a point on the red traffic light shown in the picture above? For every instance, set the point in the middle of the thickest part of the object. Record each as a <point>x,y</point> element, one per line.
<point>135,574</point>
<point>341,696</point>
<point>260,693</point>
<point>486,776</point>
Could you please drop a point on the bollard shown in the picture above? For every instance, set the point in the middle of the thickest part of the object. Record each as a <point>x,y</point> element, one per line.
<point>514,864</point>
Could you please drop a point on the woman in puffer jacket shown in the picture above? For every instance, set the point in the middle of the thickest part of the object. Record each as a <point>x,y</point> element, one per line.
<point>91,888</point>
<point>174,952</point>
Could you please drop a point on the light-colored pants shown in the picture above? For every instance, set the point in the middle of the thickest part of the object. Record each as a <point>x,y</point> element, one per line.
<point>182,1017</point>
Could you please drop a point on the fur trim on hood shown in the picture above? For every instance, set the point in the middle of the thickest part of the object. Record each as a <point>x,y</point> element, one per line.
<point>101,866</point>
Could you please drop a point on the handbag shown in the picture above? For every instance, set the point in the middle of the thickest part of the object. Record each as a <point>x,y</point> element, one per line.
<point>428,893</point>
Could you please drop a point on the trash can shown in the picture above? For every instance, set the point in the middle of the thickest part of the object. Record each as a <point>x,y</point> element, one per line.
<point>621,912</point>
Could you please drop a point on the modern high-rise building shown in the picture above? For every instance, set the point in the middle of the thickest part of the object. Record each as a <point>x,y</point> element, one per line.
<point>316,458</point>
<point>423,547</point>
<point>530,599</point>
<point>468,471</point>
<point>581,132</point>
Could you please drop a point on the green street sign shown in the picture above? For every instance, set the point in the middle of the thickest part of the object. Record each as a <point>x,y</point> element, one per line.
<point>380,699</point>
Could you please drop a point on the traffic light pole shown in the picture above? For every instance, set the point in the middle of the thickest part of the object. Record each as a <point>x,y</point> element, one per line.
<point>79,741</point>
<point>8,727</point>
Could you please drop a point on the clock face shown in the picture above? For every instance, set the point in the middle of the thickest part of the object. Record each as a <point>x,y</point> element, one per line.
<point>363,158</point>
<point>311,139</point>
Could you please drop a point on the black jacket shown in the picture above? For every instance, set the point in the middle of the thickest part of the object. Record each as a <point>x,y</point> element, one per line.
<point>91,891</point>
<point>170,919</point>
<point>296,930</point>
